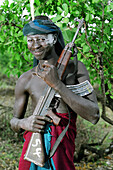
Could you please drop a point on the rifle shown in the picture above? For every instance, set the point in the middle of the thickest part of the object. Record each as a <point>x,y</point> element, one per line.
<point>35,152</point>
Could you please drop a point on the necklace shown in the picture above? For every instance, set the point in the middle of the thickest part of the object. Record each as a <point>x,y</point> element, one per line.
<point>37,70</point>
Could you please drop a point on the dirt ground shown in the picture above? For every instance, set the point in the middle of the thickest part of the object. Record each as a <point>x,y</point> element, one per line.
<point>11,143</point>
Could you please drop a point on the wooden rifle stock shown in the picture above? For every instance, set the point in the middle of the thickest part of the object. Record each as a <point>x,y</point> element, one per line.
<point>35,152</point>
<point>63,61</point>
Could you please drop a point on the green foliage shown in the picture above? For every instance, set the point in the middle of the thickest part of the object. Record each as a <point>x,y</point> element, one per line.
<point>93,41</point>
<point>14,53</point>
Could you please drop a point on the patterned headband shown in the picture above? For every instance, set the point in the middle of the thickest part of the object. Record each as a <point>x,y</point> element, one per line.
<point>40,27</point>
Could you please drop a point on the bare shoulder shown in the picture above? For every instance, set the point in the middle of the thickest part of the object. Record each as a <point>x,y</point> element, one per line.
<point>23,81</point>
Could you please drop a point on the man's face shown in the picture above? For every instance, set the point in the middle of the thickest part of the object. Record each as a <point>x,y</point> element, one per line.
<point>41,45</point>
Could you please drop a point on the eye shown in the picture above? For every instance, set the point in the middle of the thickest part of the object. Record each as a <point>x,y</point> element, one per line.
<point>43,39</point>
<point>29,40</point>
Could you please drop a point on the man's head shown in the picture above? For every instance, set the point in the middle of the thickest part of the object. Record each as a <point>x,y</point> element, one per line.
<point>42,25</point>
<point>41,45</point>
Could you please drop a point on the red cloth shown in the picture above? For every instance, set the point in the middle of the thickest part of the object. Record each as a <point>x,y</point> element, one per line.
<point>63,157</point>
<point>24,164</point>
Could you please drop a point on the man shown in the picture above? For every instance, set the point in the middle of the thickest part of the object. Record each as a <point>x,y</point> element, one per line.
<point>45,42</point>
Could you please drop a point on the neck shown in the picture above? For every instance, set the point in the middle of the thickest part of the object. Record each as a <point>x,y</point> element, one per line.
<point>51,58</point>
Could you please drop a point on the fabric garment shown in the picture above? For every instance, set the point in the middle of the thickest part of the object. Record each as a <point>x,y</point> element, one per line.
<point>39,26</point>
<point>63,157</point>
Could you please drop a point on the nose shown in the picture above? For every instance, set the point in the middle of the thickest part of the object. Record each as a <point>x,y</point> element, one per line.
<point>36,44</point>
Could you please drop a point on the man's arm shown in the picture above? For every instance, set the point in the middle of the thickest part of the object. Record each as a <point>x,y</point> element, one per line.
<point>86,107</point>
<point>21,100</point>
<point>32,123</point>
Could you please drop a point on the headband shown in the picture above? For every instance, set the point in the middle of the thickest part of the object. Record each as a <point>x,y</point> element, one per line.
<point>40,27</point>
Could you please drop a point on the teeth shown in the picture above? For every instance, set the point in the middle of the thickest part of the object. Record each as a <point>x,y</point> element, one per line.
<point>37,51</point>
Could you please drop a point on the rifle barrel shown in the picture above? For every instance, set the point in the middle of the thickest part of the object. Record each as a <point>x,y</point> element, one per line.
<point>79,26</point>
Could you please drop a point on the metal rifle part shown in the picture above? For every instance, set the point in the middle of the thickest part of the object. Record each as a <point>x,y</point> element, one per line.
<point>81,89</point>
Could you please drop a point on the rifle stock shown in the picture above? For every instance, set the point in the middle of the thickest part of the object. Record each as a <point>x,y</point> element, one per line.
<point>35,152</point>
<point>62,64</point>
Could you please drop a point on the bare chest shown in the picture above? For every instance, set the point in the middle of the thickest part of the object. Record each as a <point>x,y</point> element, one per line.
<point>36,88</point>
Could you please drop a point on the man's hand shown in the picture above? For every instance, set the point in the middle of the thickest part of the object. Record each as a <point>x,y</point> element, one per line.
<point>35,123</point>
<point>50,75</point>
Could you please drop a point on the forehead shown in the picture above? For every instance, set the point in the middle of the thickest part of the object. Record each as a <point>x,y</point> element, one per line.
<point>46,36</point>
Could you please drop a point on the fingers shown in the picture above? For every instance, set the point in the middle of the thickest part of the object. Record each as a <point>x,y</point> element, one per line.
<point>38,128</point>
<point>45,70</point>
<point>39,123</point>
<point>43,67</point>
<point>43,119</point>
<point>46,66</point>
<point>49,74</point>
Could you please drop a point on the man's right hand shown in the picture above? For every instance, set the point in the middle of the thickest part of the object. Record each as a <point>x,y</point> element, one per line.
<point>35,123</point>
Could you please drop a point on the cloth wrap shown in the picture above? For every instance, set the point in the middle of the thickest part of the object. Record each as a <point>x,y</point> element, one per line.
<point>63,157</point>
<point>45,27</point>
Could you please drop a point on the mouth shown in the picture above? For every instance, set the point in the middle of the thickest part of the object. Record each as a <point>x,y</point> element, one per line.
<point>37,51</point>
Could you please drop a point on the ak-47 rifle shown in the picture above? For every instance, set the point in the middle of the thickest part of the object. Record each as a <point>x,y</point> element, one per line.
<point>35,152</point>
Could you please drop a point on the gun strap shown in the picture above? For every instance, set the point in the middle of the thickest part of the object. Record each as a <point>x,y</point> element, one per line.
<point>52,152</point>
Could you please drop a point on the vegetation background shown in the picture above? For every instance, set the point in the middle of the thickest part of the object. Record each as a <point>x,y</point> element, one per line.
<point>95,49</point>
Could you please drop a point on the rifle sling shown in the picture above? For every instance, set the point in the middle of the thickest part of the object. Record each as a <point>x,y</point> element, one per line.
<point>52,152</point>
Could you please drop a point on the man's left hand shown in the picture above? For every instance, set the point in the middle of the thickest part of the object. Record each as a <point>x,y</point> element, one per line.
<point>49,74</point>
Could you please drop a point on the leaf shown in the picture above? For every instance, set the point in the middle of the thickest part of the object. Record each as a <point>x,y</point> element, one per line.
<point>17,57</point>
<point>111,96</point>
<point>2,18</point>
<point>20,63</point>
<point>95,1</point>
<point>65,20</point>
<point>37,3</point>
<point>65,35</point>
<point>6,2</point>
<point>79,55</point>
<point>10,42</point>
<point>77,12</point>
<point>20,33</point>
<point>25,39</point>
<point>107,92</point>
<point>102,48</point>
<point>108,8</point>
<point>65,8</point>
<point>87,17</point>
<point>82,44</point>
<point>86,49</point>
<point>57,18</point>
<point>111,5</point>
<point>109,86</point>
<point>107,30</point>
<point>59,9</point>
<point>1,39</point>
<point>59,24</point>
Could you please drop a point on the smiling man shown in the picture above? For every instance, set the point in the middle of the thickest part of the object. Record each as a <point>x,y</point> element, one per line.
<point>46,43</point>
<point>41,45</point>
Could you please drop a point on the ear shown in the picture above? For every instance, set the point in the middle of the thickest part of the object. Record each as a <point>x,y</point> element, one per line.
<point>55,39</point>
